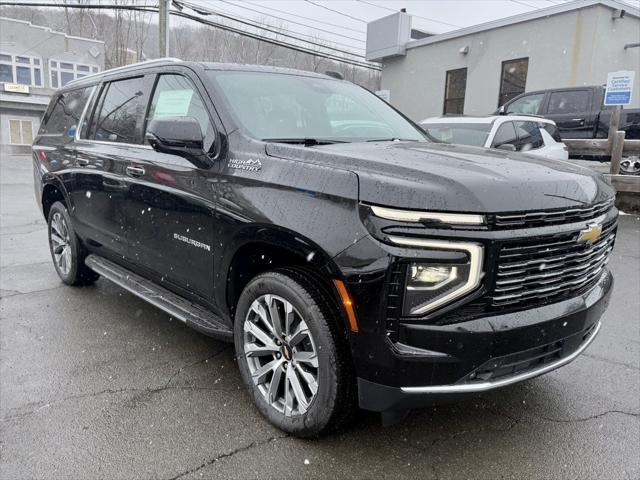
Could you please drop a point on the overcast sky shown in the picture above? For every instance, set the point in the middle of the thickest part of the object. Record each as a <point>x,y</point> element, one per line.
<point>347,24</point>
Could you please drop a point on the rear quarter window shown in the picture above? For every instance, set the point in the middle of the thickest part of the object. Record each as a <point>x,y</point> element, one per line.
<point>553,131</point>
<point>64,117</point>
<point>529,136</point>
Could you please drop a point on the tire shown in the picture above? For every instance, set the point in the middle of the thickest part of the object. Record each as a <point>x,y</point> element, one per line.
<point>66,250</point>
<point>304,408</point>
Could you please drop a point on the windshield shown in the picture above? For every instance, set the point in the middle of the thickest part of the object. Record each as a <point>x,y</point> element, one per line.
<point>275,106</point>
<point>474,134</point>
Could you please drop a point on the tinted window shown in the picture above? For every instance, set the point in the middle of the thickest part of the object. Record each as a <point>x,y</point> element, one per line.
<point>553,131</point>
<point>513,79</point>
<point>64,116</point>
<point>474,134</point>
<point>175,96</point>
<point>454,90</point>
<point>506,135</point>
<point>569,101</point>
<point>527,105</point>
<point>117,118</point>
<point>529,136</point>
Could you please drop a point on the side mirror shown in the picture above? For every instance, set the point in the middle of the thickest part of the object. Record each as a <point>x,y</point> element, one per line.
<point>178,136</point>
<point>502,110</point>
<point>509,147</point>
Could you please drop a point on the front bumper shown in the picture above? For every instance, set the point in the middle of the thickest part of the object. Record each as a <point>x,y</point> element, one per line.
<point>447,363</point>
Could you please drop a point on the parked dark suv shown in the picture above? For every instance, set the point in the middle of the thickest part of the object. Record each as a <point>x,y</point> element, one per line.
<point>351,261</point>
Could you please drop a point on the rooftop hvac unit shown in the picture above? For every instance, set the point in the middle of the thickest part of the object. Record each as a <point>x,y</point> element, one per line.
<point>388,36</point>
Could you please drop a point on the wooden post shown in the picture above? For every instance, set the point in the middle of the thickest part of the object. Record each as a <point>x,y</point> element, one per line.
<point>616,152</point>
<point>614,123</point>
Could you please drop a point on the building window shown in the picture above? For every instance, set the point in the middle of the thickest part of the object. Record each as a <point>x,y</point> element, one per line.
<point>454,89</point>
<point>20,132</point>
<point>64,72</point>
<point>513,79</point>
<point>20,69</point>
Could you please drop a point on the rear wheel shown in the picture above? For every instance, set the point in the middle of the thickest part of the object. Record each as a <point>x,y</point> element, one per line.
<point>291,354</point>
<point>67,252</point>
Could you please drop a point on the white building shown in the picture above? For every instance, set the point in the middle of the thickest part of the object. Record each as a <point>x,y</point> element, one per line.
<point>34,62</point>
<point>476,69</point>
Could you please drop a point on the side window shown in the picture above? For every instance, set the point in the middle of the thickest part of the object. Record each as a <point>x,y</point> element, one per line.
<point>175,96</point>
<point>553,131</point>
<point>505,135</point>
<point>569,101</point>
<point>117,116</point>
<point>527,105</point>
<point>529,136</point>
<point>65,115</point>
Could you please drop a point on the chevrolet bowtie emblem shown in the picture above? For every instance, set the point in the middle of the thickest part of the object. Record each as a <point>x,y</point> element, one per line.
<point>590,234</point>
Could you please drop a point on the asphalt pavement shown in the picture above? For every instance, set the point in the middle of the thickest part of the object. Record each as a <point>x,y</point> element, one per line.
<point>95,383</point>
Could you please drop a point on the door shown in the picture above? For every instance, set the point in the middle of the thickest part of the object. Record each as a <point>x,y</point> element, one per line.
<point>172,201</point>
<point>54,146</point>
<point>572,112</point>
<point>105,148</point>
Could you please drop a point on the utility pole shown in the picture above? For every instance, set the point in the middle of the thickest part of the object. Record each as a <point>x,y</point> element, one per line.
<point>163,12</point>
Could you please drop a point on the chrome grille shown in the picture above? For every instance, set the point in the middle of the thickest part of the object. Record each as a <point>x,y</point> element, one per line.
<point>549,217</point>
<point>541,271</point>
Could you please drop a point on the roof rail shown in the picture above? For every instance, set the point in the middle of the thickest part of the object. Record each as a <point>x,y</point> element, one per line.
<point>125,67</point>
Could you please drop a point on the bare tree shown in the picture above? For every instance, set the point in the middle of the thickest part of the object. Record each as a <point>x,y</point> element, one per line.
<point>132,35</point>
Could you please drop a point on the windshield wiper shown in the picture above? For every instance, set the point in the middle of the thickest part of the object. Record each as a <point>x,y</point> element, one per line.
<point>307,142</point>
<point>395,139</point>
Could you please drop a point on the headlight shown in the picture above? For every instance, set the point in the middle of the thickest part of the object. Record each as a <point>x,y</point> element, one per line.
<point>430,285</point>
<point>415,216</point>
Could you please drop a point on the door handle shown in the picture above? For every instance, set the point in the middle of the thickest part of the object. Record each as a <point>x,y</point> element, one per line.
<point>135,171</point>
<point>581,120</point>
<point>82,162</point>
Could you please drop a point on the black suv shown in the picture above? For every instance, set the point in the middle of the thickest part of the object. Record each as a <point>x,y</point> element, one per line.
<point>351,261</point>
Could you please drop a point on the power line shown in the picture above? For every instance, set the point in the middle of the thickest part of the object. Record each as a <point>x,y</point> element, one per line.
<point>264,7</point>
<point>297,23</point>
<point>201,10</point>
<point>228,28</point>
<point>315,38</point>
<point>336,11</point>
<point>277,42</point>
<point>412,14</point>
<point>522,3</point>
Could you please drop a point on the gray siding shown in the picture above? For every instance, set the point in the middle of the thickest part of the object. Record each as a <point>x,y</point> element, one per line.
<point>569,49</point>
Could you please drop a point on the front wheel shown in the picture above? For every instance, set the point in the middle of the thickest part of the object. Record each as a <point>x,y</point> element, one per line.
<point>66,250</point>
<point>292,356</point>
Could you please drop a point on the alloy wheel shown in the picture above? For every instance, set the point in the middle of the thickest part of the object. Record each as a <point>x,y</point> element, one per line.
<point>60,243</point>
<point>281,355</point>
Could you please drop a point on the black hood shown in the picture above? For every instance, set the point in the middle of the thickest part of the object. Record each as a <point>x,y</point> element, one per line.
<point>440,177</point>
